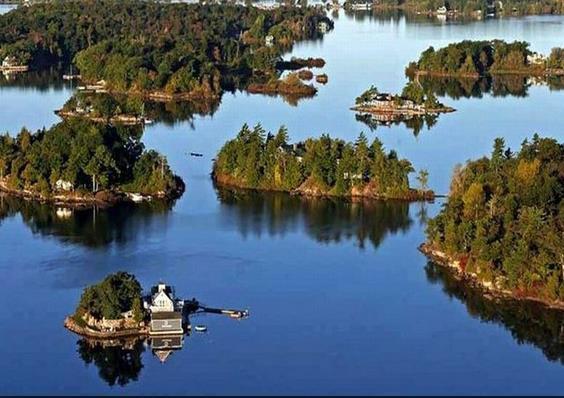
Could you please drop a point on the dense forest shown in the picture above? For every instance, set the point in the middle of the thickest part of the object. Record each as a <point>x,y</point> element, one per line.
<point>504,219</point>
<point>77,156</point>
<point>169,49</point>
<point>469,7</point>
<point>478,58</point>
<point>322,166</point>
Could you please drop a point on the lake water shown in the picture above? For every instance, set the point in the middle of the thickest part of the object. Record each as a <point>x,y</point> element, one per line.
<point>341,300</point>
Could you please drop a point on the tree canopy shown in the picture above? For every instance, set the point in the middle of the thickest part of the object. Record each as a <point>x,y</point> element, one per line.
<point>90,156</point>
<point>257,160</point>
<point>116,294</point>
<point>504,218</point>
<point>148,46</point>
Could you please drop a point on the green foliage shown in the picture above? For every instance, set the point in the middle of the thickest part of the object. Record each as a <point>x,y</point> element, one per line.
<point>116,294</point>
<point>264,161</point>
<point>475,58</point>
<point>88,155</point>
<point>138,45</point>
<point>506,215</point>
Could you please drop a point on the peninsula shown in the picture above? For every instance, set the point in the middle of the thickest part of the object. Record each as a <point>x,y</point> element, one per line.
<point>161,51</point>
<point>82,162</point>
<point>501,227</point>
<point>316,167</point>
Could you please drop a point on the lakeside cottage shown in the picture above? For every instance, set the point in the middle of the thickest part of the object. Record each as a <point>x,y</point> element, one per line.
<point>166,313</point>
<point>269,41</point>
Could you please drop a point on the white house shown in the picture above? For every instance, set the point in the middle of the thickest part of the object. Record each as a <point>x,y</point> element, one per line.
<point>269,40</point>
<point>323,27</point>
<point>162,300</point>
<point>62,185</point>
<point>9,62</point>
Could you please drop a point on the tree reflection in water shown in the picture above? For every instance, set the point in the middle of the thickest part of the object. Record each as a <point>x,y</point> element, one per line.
<point>496,86</point>
<point>118,361</point>
<point>528,322</point>
<point>92,227</point>
<point>327,220</point>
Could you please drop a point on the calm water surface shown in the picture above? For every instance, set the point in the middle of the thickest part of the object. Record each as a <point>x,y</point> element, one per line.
<point>341,301</point>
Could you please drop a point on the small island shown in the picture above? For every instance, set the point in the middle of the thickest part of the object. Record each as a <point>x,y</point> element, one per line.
<point>501,227</point>
<point>291,85</point>
<point>479,58</point>
<point>82,162</point>
<point>413,101</point>
<point>117,308</point>
<point>316,167</point>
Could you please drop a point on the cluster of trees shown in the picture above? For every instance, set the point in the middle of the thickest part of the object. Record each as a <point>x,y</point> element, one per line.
<point>144,46</point>
<point>109,299</point>
<point>556,59</point>
<point>474,58</point>
<point>504,218</point>
<point>468,7</point>
<point>324,166</point>
<point>90,156</point>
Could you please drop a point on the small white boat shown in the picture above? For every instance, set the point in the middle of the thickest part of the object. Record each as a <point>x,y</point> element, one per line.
<point>201,328</point>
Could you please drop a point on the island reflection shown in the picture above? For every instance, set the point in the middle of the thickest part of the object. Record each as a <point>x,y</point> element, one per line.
<point>92,227</point>
<point>326,220</point>
<point>496,86</point>
<point>527,321</point>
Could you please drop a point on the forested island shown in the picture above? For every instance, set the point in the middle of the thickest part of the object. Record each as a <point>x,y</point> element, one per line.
<point>478,58</point>
<point>503,224</point>
<point>78,161</point>
<point>113,307</point>
<point>160,50</point>
<point>316,167</point>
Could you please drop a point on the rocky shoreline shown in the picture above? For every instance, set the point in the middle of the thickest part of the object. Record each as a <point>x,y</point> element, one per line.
<point>310,189</point>
<point>85,331</point>
<point>86,199</point>
<point>489,288</point>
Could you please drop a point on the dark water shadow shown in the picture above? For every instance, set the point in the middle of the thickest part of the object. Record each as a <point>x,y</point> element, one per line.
<point>326,220</point>
<point>528,322</point>
<point>91,227</point>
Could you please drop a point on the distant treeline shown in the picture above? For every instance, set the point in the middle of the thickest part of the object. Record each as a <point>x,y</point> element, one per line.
<point>85,156</point>
<point>477,58</point>
<point>504,219</point>
<point>467,7</point>
<point>146,46</point>
<point>323,166</point>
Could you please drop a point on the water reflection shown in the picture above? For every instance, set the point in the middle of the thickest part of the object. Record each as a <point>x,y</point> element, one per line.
<point>496,86</point>
<point>43,80</point>
<point>326,220</point>
<point>528,322</point>
<point>92,227</point>
<point>412,122</point>
<point>118,361</point>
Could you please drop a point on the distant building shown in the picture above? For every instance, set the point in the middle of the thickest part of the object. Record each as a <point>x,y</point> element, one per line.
<point>9,62</point>
<point>323,27</point>
<point>536,59</point>
<point>62,185</point>
<point>269,41</point>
